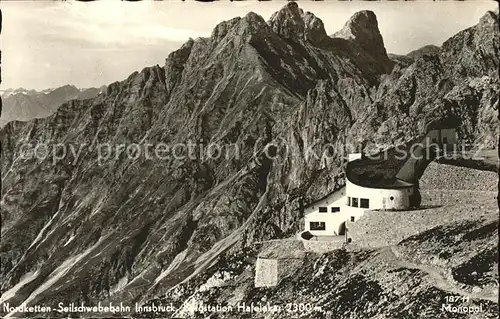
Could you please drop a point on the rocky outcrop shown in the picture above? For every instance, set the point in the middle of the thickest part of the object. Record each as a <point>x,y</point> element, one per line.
<point>291,22</point>
<point>422,256</point>
<point>427,89</point>
<point>362,30</point>
<point>473,52</point>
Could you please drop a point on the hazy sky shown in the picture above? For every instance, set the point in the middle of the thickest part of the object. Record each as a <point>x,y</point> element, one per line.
<point>49,44</point>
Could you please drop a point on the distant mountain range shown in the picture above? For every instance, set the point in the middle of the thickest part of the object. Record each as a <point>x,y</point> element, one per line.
<point>409,58</point>
<point>23,105</point>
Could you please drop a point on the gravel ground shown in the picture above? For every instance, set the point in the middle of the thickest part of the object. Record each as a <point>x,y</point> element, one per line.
<point>449,177</point>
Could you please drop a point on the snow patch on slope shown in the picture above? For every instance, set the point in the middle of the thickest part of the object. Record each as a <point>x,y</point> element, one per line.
<point>28,277</point>
<point>57,274</point>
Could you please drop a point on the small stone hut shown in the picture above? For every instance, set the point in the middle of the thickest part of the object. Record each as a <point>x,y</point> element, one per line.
<point>277,260</point>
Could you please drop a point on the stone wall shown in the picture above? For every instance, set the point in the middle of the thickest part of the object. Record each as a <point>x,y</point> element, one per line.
<point>322,247</point>
<point>449,177</point>
<point>456,197</point>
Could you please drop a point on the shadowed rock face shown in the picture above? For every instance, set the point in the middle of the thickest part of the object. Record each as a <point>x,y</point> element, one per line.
<point>83,225</point>
<point>292,23</point>
<point>474,51</point>
<point>362,30</point>
<point>444,86</point>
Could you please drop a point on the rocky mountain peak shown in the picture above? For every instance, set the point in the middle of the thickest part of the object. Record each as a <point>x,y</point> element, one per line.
<point>293,23</point>
<point>361,26</point>
<point>223,28</point>
<point>314,28</point>
<point>362,29</point>
<point>489,19</point>
<point>252,23</point>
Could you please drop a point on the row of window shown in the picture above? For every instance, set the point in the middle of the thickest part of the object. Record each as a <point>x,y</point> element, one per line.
<point>358,202</point>
<point>322,225</point>
<point>351,201</point>
<point>325,209</point>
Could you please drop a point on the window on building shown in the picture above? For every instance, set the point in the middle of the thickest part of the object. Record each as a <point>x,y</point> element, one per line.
<point>352,218</point>
<point>335,209</point>
<point>348,201</point>
<point>391,198</point>
<point>445,140</point>
<point>434,140</point>
<point>317,226</point>
<point>323,209</point>
<point>364,203</point>
<point>354,202</point>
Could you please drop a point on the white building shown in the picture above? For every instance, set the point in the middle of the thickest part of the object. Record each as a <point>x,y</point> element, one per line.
<point>326,217</point>
<point>385,183</point>
<point>394,196</point>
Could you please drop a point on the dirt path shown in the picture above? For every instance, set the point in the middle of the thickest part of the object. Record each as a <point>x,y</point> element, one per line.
<point>438,279</point>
